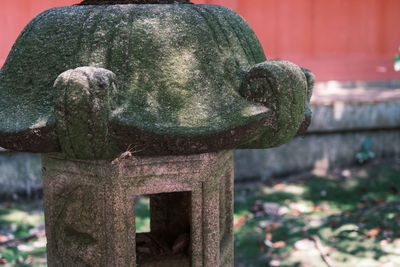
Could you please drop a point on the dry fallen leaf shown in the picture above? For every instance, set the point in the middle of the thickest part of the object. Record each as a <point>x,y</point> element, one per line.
<point>240,222</point>
<point>29,260</point>
<point>3,238</point>
<point>374,232</point>
<point>316,208</point>
<point>298,208</point>
<point>276,225</point>
<point>279,244</point>
<point>279,186</point>
<point>296,211</point>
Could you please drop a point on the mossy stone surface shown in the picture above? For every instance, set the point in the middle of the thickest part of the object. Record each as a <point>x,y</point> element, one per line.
<point>83,102</point>
<point>178,69</point>
<point>282,87</point>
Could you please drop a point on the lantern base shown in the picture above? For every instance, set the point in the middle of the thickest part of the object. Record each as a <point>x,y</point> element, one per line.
<point>90,211</point>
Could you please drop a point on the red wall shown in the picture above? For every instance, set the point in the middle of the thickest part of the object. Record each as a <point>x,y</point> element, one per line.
<point>337,39</point>
<point>15,14</point>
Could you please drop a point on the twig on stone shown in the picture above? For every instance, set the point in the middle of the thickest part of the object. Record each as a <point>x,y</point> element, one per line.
<point>127,154</point>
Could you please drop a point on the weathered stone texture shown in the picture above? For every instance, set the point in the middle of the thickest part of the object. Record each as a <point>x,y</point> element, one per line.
<point>83,102</point>
<point>89,208</point>
<point>189,81</point>
<point>282,87</point>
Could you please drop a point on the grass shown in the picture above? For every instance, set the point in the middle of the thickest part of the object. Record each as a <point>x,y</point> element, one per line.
<point>350,217</point>
<point>19,220</point>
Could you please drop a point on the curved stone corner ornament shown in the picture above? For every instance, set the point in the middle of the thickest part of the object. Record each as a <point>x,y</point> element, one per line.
<point>83,100</point>
<point>186,79</point>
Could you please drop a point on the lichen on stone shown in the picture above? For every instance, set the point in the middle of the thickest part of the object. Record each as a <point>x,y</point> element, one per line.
<point>178,70</point>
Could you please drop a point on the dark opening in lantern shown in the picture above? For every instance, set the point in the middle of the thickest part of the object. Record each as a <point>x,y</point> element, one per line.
<point>169,236</point>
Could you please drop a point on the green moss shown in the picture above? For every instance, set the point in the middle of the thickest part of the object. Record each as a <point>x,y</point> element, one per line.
<point>83,103</point>
<point>178,70</point>
<point>178,66</point>
<point>282,87</point>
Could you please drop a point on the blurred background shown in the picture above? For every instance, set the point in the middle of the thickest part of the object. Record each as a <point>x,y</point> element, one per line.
<point>328,198</point>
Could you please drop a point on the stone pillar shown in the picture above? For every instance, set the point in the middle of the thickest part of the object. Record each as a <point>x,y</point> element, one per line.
<point>90,216</point>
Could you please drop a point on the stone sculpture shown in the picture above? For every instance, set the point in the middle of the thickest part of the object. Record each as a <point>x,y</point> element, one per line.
<point>130,99</point>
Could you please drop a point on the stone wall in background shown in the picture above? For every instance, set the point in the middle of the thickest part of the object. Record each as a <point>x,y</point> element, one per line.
<point>20,174</point>
<point>318,153</point>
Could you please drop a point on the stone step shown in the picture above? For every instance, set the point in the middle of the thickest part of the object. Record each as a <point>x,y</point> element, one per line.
<point>343,109</point>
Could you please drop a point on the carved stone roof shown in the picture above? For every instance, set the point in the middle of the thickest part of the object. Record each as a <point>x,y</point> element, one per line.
<point>183,79</point>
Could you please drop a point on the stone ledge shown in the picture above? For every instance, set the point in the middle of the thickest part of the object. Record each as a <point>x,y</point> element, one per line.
<point>341,108</point>
<point>314,152</point>
<point>328,96</point>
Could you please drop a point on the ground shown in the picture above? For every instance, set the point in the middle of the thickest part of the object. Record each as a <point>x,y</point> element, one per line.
<point>350,217</point>
<point>22,236</point>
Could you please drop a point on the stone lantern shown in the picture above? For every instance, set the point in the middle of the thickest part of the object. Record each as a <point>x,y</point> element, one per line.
<point>132,98</point>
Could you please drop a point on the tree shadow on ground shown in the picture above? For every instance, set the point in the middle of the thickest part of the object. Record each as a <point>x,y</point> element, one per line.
<point>355,217</point>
